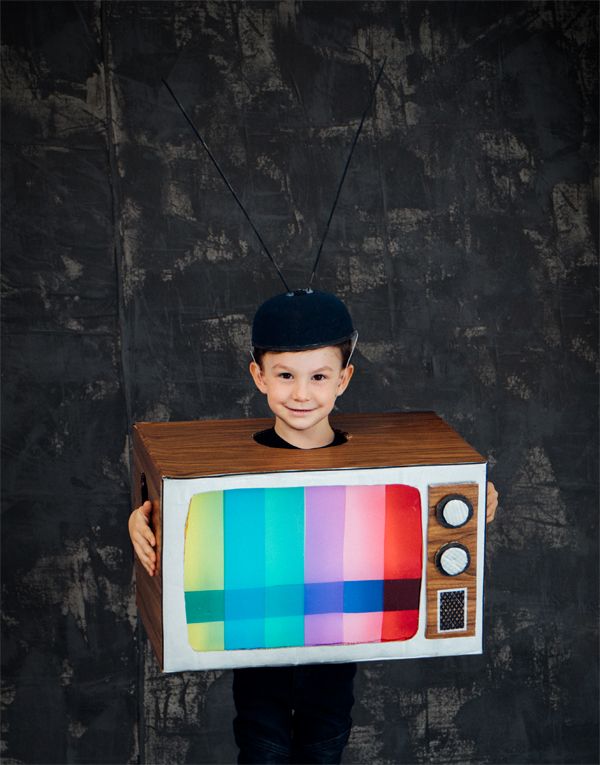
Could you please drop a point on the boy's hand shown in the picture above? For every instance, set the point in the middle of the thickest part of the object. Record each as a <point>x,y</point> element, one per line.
<point>142,538</point>
<point>492,502</point>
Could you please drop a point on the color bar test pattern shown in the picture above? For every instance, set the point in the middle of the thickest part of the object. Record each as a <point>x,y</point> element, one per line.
<point>322,565</point>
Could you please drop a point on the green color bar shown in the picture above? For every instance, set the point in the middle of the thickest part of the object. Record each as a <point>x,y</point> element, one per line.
<point>284,566</point>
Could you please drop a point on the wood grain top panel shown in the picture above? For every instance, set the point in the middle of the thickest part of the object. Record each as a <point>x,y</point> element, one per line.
<point>222,447</point>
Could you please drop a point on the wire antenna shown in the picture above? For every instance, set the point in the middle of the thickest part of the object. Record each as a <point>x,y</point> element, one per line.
<point>354,142</point>
<point>226,182</point>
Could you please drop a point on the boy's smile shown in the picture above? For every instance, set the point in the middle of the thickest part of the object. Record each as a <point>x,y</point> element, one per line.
<point>301,389</point>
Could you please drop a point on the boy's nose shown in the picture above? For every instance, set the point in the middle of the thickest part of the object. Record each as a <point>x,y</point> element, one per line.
<point>301,392</point>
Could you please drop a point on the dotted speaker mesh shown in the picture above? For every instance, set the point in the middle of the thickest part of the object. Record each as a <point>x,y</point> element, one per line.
<point>452,610</point>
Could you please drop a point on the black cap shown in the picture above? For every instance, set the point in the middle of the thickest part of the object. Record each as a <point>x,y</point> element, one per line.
<point>300,320</point>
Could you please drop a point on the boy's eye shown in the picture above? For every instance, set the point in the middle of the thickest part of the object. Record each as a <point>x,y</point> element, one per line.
<point>285,375</point>
<point>319,377</point>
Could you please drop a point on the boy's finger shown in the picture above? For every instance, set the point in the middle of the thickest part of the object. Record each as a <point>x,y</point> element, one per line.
<point>146,560</point>
<point>142,546</point>
<point>491,502</point>
<point>146,510</point>
<point>149,536</point>
<point>149,567</point>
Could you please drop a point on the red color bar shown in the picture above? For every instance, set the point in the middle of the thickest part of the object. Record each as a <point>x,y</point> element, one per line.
<point>403,554</point>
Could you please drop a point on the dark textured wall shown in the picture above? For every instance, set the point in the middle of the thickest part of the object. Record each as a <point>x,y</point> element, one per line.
<point>465,246</point>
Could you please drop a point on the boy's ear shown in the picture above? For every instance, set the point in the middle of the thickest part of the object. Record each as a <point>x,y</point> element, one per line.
<point>257,376</point>
<point>345,378</point>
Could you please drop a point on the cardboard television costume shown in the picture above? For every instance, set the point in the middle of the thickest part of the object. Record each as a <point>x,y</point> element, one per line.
<point>371,549</point>
<point>368,550</point>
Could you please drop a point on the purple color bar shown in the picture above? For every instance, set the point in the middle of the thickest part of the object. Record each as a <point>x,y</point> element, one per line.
<point>324,556</point>
<point>323,629</point>
<point>324,533</point>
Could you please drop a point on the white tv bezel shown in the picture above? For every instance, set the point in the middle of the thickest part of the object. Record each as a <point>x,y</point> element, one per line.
<point>176,496</point>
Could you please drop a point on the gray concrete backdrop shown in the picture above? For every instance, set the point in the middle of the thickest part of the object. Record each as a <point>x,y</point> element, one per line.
<point>465,244</point>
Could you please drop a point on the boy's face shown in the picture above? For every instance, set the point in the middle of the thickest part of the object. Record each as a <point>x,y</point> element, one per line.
<point>301,388</point>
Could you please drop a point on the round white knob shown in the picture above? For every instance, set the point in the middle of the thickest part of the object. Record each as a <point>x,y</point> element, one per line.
<point>454,511</point>
<point>452,559</point>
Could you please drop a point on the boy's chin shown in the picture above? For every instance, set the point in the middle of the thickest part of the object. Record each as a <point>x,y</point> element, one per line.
<point>302,421</point>
<point>298,424</point>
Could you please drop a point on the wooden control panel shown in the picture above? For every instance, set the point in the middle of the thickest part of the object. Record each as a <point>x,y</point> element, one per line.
<point>451,597</point>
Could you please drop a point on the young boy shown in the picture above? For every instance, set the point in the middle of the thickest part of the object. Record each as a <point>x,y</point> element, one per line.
<point>303,342</point>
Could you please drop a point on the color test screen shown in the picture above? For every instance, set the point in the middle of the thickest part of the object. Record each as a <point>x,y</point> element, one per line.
<point>302,566</point>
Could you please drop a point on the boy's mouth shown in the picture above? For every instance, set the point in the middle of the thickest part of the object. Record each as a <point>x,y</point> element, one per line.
<point>298,411</point>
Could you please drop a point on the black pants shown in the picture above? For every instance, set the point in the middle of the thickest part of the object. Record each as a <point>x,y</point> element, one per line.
<point>293,714</point>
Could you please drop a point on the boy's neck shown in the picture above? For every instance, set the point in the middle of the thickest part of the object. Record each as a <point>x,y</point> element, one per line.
<point>313,438</point>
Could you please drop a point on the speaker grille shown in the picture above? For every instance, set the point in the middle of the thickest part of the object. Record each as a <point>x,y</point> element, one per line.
<point>452,610</point>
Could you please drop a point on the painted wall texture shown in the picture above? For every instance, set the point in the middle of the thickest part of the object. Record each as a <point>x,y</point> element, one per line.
<point>464,244</point>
